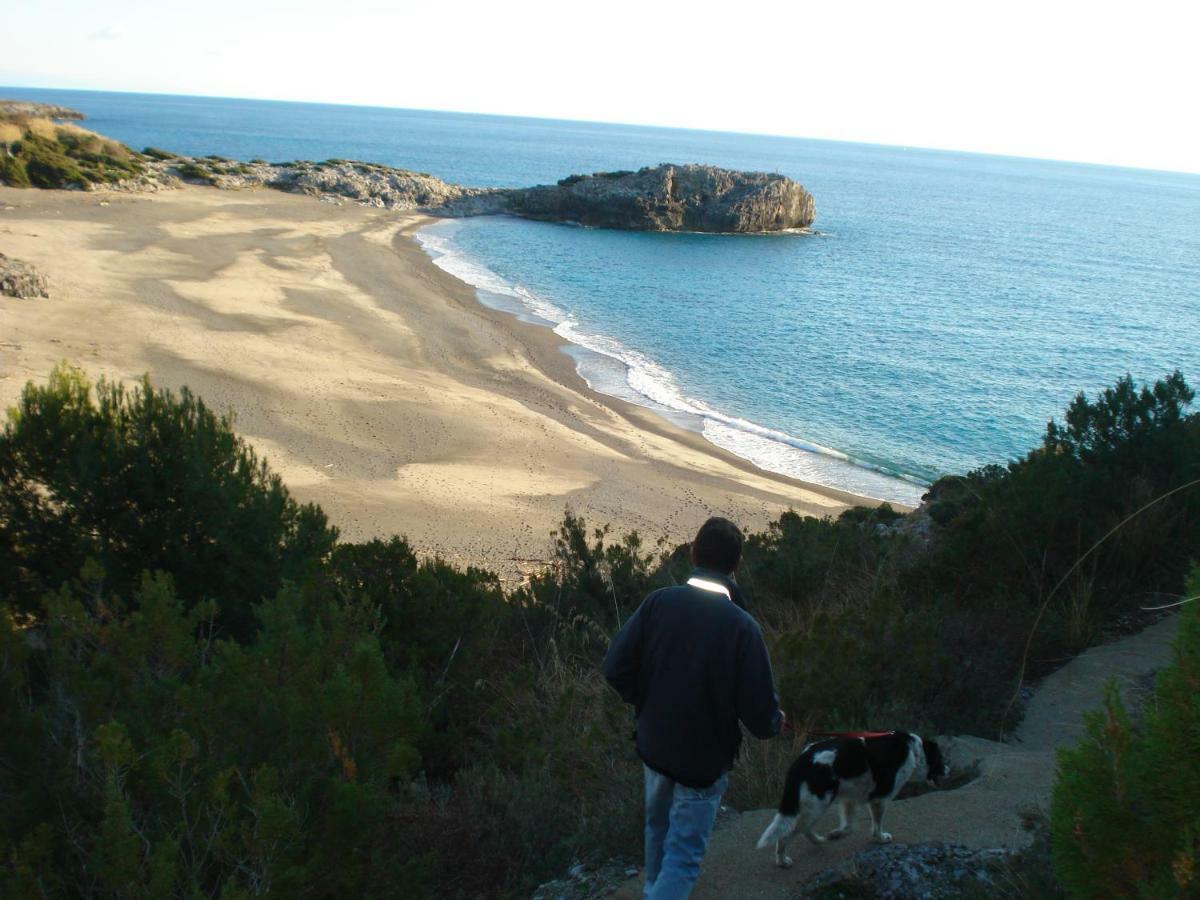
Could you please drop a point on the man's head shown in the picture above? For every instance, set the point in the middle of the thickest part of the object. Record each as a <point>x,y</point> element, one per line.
<point>718,546</point>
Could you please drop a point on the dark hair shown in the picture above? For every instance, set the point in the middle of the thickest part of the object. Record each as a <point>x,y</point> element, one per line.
<point>937,768</point>
<point>718,545</point>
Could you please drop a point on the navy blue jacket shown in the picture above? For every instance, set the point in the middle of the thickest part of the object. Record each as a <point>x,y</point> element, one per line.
<point>693,664</point>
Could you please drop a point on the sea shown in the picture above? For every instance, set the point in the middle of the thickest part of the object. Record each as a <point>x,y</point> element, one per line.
<point>944,307</point>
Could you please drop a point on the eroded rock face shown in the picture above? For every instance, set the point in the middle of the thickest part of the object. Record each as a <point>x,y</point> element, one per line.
<point>671,198</point>
<point>663,198</point>
<point>383,186</point>
<point>368,184</point>
<point>20,279</point>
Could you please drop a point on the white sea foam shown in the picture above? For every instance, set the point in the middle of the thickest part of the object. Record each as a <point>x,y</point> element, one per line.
<point>612,368</point>
<point>447,258</point>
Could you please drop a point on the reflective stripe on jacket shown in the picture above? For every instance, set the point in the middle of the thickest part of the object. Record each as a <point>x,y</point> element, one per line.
<point>694,663</point>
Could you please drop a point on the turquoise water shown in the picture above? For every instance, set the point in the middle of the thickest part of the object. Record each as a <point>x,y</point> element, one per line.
<point>947,307</point>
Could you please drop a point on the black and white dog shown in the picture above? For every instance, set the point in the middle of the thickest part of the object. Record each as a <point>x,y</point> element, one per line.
<point>850,770</point>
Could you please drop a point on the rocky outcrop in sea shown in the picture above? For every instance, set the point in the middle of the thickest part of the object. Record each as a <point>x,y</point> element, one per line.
<point>662,198</point>
<point>671,198</point>
<point>666,197</point>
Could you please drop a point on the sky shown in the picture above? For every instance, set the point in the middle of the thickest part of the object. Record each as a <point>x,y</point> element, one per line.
<point>1089,81</point>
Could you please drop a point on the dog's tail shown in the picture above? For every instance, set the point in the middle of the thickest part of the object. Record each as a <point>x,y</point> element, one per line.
<point>780,827</point>
<point>789,805</point>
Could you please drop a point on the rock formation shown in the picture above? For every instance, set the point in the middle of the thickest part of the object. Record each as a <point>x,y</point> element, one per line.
<point>368,184</point>
<point>31,110</point>
<point>663,198</point>
<point>671,198</point>
<point>20,279</point>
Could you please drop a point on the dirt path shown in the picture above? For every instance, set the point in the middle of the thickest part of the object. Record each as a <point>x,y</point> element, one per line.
<point>1015,781</point>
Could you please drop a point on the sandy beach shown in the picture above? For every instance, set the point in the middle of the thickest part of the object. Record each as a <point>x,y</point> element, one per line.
<point>373,382</point>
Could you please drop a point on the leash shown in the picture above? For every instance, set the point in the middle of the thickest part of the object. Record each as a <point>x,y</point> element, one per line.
<point>787,726</point>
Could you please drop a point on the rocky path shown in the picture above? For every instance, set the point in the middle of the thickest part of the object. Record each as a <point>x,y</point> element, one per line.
<point>1014,783</point>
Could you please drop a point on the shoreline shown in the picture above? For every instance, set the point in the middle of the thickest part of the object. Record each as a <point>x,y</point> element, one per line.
<point>373,382</point>
<point>499,295</point>
<point>549,352</point>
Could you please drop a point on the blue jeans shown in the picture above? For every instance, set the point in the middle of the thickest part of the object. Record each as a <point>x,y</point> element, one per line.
<point>679,820</point>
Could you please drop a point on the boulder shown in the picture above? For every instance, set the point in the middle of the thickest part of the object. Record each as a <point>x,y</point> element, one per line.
<point>20,279</point>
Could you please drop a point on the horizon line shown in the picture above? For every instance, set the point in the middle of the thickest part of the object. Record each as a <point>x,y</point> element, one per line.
<point>496,115</point>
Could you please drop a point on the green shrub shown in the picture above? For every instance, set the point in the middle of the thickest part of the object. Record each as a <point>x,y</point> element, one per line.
<point>12,172</point>
<point>48,166</point>
<point>99,160</point>
<point>1023,566</point>
<point>1126,808</point>
<point>190,171</point>
<point>156,760</point>
<point>201,693</point>
<point>155,153</point>
<point>442,627</point>
<point>1030,523</point>
<point>141,480</point>
<point>50,156</point>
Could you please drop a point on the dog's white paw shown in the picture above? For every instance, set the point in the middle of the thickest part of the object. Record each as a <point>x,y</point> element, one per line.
<point>884,837</point>
<point>784,862</point>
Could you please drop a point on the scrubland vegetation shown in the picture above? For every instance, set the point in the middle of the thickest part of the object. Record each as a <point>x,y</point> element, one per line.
<point>36,152</point>
<point>203,692</point>
<point>1126,812</point>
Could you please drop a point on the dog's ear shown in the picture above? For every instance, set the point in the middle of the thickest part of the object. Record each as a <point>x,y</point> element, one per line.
<point>937,768</point>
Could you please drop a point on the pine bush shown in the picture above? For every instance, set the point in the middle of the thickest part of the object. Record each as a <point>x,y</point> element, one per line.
<point>1125,818</point>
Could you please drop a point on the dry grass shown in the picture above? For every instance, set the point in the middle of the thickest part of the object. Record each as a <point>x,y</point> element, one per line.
<point>114,148</point>
<point>762,766</point>
<point>91,142</point>
<point>42,128</point>
<point>9,133</point>
<point>81,136</point>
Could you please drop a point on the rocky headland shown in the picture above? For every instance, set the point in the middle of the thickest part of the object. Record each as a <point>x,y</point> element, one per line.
<point>666,197</point>
<point>27,108</point>
<point>671,198</point>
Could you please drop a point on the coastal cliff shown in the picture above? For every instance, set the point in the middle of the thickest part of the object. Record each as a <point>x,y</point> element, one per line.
<point>671,198</point>
<point>37,152</point>
<point>368,184</point>
<point>663,198</point>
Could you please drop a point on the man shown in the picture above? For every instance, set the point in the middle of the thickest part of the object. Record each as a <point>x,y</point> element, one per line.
<point>693,663</point>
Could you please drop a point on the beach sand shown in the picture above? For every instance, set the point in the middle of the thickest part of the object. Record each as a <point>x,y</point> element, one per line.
<point>375,384</point>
